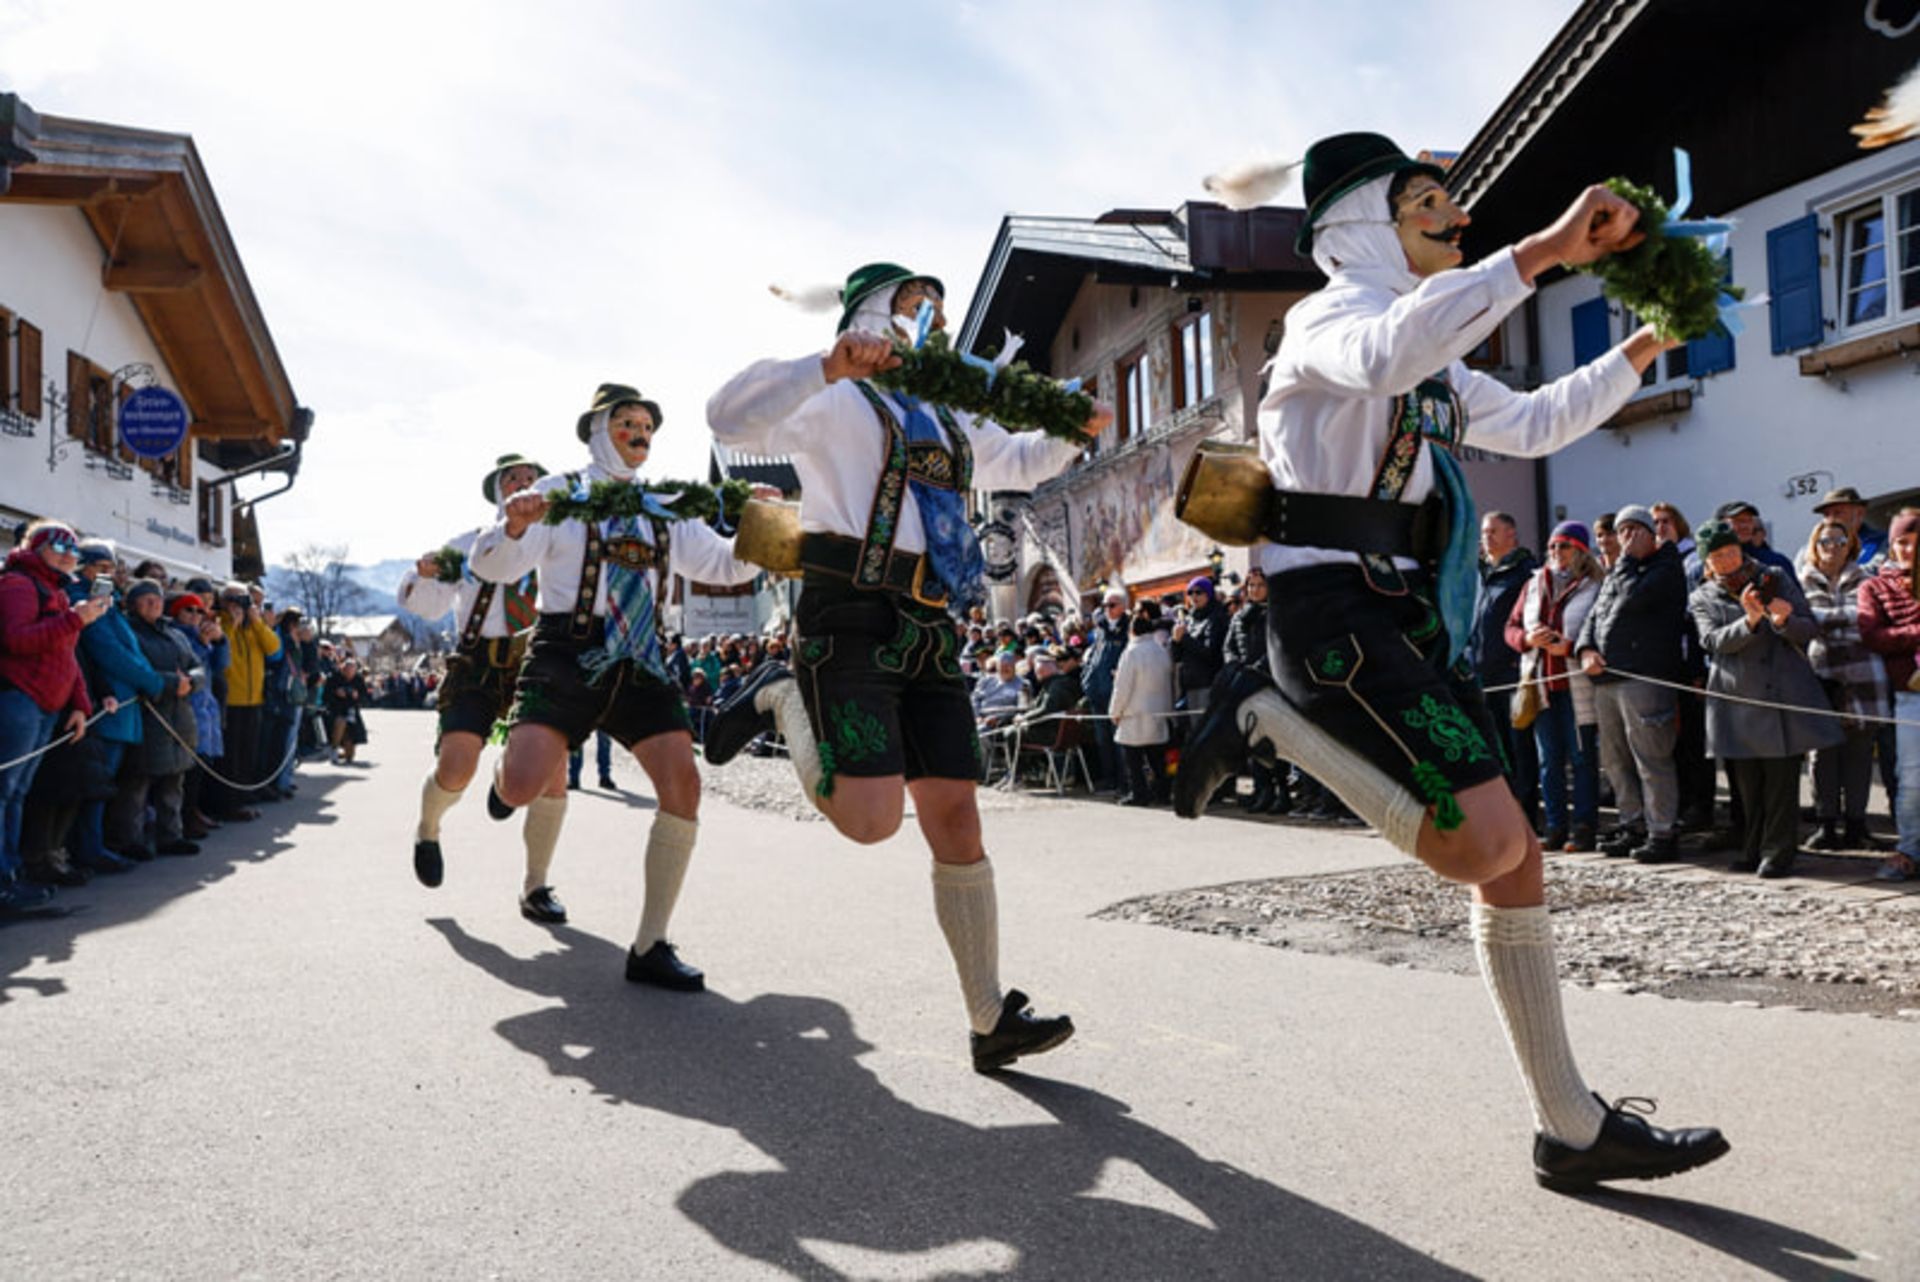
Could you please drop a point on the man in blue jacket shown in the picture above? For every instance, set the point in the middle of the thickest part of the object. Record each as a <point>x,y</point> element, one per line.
<point>1106,640</point>
<point>116,667</point>
<point>1505,567</point>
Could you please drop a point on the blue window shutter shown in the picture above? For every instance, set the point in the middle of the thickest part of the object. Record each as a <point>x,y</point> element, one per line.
<point>1592,331</point>
<point>1793,284</point>
<point>1713,353</point>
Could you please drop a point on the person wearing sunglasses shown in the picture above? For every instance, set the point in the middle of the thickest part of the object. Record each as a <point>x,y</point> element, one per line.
<point>41,688</point>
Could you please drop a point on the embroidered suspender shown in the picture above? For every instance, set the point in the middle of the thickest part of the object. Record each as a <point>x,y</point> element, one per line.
<point>630,553</point>
<point>923,461</point>
<point>1430,412</point>
<point>470,635</point>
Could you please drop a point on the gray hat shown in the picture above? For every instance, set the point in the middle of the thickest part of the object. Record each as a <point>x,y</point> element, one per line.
<point>144,587</point>
<point>1635,512</point>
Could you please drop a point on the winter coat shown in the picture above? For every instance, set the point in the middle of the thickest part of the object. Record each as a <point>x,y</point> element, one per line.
<point>160,753</point>
<point>1565,612</point>
<point>38,635</point>
<point>115,665</point>
<point>1247,638</point>
<point>1494,661</point>
<point>1142,693</point>
<point>1106,642</point>
<point>211,659</point>
<point>1198,652</point>
<point>1855,677</point>
<point>1890,622</point>
<point>1639,621</point>
<point>249,644</point>
<point>1765,663</point>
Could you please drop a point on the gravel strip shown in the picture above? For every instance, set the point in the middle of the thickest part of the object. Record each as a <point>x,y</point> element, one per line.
<point>1615,928</point>
<point>768,784</point>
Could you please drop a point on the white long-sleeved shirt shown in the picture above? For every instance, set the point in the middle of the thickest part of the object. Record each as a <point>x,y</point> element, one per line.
<point>1355,345</point>
<point>838,450</point>
<point>694,552</point>
<point>431,598</point>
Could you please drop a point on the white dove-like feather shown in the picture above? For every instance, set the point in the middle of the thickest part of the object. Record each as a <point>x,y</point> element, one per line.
<point>811,298</point>
<point>1895,119</point>
<point>1252,183</point>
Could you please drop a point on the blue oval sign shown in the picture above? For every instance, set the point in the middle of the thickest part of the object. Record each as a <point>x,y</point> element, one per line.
<point>153,422</point>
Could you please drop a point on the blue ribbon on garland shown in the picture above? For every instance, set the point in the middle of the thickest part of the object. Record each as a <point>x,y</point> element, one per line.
<point>1712,231</point>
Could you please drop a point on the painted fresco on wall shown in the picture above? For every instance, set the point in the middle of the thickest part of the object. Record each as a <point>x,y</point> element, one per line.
<point>1123,524</point>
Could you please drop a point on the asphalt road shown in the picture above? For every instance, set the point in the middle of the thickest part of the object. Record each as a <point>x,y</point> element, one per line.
<point>285,1059</point>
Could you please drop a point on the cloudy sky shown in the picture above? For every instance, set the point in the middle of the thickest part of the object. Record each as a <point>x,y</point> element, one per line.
<point>459,218</point>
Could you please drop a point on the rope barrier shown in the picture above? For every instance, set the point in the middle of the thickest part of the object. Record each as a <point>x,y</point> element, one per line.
<point>202,762</point>
<point>1869,717</point>
<point>49,747</point>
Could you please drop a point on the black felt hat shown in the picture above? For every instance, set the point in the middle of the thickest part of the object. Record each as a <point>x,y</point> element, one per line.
<point>491,486</point>
<point>1339,165</point>
<point>610,396</point>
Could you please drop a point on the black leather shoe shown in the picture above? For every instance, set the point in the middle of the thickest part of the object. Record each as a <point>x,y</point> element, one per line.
<point>1629,1148</point>
<point>542,905</point>
<point>496,807</point>
<point>106,861</point>
<point>606,781</point>
<point>1218,750</point>
<point>427,864</point>
<point>1658,850</point>
<point>180,846</point>
<point>139,854</point>
<point>661,966</point>
<point>737,722</point>
<point>1776,867</point>
<point>1621,842</point>
<point>1019,1032</point>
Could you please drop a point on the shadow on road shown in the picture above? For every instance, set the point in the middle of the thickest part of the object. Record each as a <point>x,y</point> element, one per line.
<point>1773,1249</point>
<point>866,1170</point>
<point>126,897</point>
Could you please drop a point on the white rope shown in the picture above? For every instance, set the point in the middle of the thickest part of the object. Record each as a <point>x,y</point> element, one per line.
<point>49,747</point>
<point>202,762</point>
<point>1730,698</point>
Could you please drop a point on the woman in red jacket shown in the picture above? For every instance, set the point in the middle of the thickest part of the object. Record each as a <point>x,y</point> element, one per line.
<point>39,681</point>
<point>1890,627</point>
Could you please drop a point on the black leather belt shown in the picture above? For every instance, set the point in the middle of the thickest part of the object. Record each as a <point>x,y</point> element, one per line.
<point>908,573</point>
<point>1344,524</point>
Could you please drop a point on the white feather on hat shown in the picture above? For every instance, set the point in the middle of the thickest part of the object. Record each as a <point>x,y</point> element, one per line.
<point>1249,184</point>
<point>1896,118</point>
<point>810,298</point>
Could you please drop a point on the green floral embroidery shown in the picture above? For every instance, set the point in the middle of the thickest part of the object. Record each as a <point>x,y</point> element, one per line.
<point>946,653</point>
<point>893,656</point>
<point>1334,664</point>
<point>812,651</point>
<point>1426,628</point>
<point>854,733</point>
<point>1448,729</point>
<point>1433,786</point>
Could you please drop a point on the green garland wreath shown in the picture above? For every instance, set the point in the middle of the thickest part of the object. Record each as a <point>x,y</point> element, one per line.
<point>1673,283</point>
<point>449,565</point>
<point>1018,398</point>
<point>687,500</point>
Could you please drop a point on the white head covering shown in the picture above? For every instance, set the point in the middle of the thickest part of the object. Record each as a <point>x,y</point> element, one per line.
<point>600,445</point>
<point>1357,232</point>
<point>875,313</point>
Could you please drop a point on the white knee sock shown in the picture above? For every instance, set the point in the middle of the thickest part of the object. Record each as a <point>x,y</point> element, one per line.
<point>1373,794</point>
<point>782,699</point>
<point>541,831</point>
<point>669,849</point>
<point>964,903</point>
<point>435,801</point>
<point>1515,947</point>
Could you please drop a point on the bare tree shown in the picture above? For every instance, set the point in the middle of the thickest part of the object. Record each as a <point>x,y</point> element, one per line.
<point>322,588</point>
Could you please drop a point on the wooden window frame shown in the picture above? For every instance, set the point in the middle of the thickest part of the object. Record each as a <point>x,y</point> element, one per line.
<point>1183,396</point>
<point>1124,413</point>
<point>7,320</point>
<point>31,392</point>
<point>213,526</point>
<point>1894,267</point>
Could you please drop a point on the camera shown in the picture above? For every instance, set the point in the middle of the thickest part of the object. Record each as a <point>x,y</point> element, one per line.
<point>102,587</point>
<point>1767,585</point>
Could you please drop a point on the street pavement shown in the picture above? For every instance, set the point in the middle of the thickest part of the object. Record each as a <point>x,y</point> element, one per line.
<point>286,1059</point>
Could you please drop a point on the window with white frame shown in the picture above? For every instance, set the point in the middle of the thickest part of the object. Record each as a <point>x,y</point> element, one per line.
<point>1878,244</point>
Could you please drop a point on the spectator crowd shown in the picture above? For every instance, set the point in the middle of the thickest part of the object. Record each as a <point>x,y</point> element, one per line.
<point>138,714</point>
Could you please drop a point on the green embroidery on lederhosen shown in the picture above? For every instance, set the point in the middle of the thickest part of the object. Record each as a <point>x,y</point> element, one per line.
<point>1448,729</point>
<point>1430,412</point>
<point>893,656</point>
<point>856,734</point>
<point>812,650</point>
<point>946,654</point>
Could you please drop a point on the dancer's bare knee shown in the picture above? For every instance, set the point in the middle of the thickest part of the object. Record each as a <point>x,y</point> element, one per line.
<point>1492,840</point>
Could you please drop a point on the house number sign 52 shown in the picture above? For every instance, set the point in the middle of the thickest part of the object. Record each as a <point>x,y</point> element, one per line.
<point>1807,485</point>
